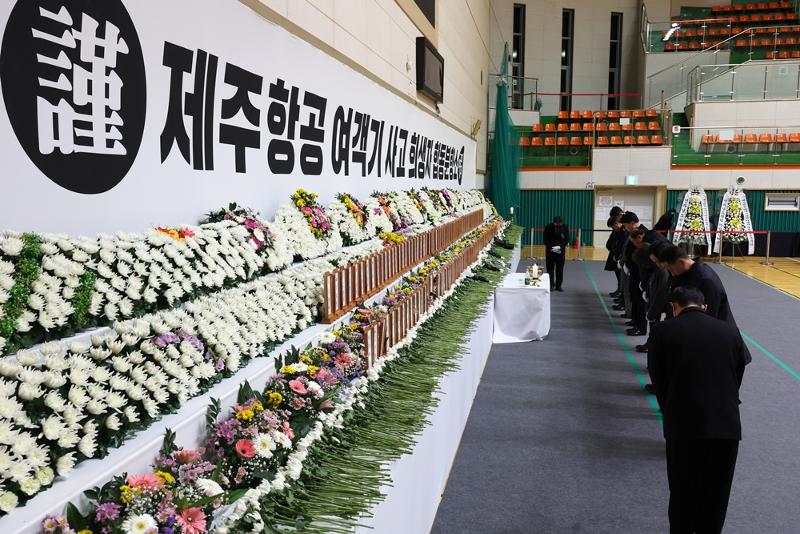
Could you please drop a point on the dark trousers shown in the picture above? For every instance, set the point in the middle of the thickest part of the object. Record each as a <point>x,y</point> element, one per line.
<point>555,268</point>
<point>638,305</point>
<point>700,473</point>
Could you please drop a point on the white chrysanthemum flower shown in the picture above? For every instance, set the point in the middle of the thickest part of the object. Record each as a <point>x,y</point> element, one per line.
<point>30,486</point>
<point>11,246</point>
<point>140,524</point>
<point>23,444</point>
<point>131,414</point>
<point>29,392</point>
<point>8,501</point>
<point>45,476</point>
<point>65,464</point>
<point>264,445</point>
<point>87,446</point>
<point>113,422</point>
<point>53,427</point>
<point>327,337</point>
<point>69,439</point>
<point>209,487</point>
<point>79,376</point>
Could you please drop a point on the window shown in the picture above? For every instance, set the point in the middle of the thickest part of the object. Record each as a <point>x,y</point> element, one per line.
<point>567,33</point>
<point>614,59</point>
<point>781,202</point>
<point>518,58</point>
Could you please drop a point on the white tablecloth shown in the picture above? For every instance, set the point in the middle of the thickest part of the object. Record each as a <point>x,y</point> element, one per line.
<point>521,313</point>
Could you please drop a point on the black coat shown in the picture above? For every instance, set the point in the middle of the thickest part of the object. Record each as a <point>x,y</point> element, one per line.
<point>696,364</point>
<point>556,236</point>
<point>703,277</point>
<point>614,246</point>
<point>658,294</point>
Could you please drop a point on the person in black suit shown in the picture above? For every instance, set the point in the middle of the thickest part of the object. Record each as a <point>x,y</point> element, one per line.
<point>637,281</point>
<point>696,364</point>
<point>688,272</point>
<point>612,244</point>
<point>556,241</point>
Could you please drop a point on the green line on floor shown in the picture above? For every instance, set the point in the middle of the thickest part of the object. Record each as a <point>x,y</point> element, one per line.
<point>771,356</point>
<point>621,338</point>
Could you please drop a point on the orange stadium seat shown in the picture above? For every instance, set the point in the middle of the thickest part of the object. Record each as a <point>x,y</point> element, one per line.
<point>576,141</point>
<point>574,114</point>
<point>600,115</point>
<point>602,140</point>
<point>563,127</point>
<point>550,127</point>
<point>575,127</point>
<point>588,140</point>
<point>643,140</point>
<point>794,137</point>
<point>628,140</point>
<point>524,141</point>
<point>549,141</point>
<point>656,140</point>
<point>537,127</point>
<point>587,115</point>
<point>587,126</point>
<point>765,138</point>
<point>563,141</point>
<point>653,126</point>
<point>708,139</point>
<point>616,140</point>
<point>601,127</point>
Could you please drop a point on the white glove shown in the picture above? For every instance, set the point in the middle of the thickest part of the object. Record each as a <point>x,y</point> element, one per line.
<point>556,250</point>
<point>625,270</point>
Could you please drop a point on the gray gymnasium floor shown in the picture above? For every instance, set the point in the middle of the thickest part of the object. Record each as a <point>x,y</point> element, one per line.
<point>563,439</point>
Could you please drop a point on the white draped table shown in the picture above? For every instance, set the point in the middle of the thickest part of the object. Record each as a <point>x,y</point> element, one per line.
<point>521,313</point>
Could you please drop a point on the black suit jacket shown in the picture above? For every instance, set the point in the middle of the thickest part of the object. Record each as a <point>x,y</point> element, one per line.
<point>556,237</point>
<point>696,364</point>
<point>704,278</point>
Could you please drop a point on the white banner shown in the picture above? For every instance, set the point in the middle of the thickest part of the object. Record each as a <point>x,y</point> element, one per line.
<point>120,115</point>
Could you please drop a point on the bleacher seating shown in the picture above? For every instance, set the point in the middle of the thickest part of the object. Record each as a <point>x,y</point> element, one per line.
<point>587,128</point>
<point>771,19</point>
<point>752,141</point>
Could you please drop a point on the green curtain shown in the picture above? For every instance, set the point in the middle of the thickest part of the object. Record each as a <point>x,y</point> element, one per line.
<point>504,162</point>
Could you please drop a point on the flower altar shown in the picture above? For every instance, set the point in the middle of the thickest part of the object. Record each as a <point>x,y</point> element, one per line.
<point>246,476</point>
<point>173,311</point>
<point>693,219</point>
<point>734,220</point>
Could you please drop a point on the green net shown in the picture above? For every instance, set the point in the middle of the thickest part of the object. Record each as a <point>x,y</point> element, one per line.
<point>503,183</point>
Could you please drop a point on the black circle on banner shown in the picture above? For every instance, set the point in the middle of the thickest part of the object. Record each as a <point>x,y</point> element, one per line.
<point>74,86</point>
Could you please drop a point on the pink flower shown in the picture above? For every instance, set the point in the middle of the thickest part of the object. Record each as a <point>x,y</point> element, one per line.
<point>192,521</point>
<point>343,360</point>
<point>245,448</point>
<point>287,429</point>
<point>297,387</point>
<point>186,456</point>
<point>327,403</point>
<point>148,480</point>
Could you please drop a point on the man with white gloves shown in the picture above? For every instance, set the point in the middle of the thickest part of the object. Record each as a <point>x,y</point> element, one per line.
<point>556,241</point>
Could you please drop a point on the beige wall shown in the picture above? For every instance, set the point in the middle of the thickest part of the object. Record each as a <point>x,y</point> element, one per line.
<point>380,38</point>
<point>591,46</point>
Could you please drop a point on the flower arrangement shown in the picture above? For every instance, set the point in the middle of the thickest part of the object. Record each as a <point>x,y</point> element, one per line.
<point>177,496</point>
<point>734,221</point>
<point>378,217</point>
<point>385,202</point>
<point>391,238</point>
<point>308,230</point>
<point>318,223</point>
<point>406,208</point>
<point>352,219</point>
<point>693,219</point>
<point>262,236</point>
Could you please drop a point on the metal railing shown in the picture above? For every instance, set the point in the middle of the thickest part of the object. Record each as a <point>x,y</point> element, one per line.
<point>755,80</point>
<point>727,145</point>
<point>523,92</point>
<point>671,82</point>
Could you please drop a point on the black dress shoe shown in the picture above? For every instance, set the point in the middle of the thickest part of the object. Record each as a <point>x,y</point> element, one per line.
<point>625,315</point>
<point>635,332</point>
<point>618,307</point>
<point>641,348</point>
<point>559,289</point>
<point>630,323</point>
<point>614,294</point>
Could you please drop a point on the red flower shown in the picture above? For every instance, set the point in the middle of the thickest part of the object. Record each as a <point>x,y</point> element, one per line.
<point>245,448</point>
